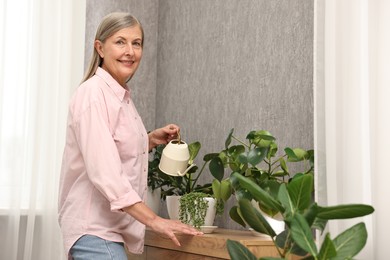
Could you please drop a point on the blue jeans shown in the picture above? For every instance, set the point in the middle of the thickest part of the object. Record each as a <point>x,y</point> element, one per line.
<point>90,247</point>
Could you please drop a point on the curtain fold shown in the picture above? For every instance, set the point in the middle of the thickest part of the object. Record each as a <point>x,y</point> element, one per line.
<point>352,85</point>
<point>42,54</point>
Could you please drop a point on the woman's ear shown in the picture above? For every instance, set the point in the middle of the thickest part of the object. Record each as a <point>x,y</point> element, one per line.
<point>99,48</point>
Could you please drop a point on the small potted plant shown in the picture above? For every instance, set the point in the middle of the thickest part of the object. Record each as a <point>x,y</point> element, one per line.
<point>185,191</point>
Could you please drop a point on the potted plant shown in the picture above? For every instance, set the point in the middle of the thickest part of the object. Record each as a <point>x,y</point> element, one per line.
<point>258,159</point>
<point>302,216</point>
<point>185,191</point>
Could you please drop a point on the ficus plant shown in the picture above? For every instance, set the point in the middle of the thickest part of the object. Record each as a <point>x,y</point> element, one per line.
<point>302,216</point>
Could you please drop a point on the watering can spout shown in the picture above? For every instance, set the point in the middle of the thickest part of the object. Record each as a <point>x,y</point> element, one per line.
<point>186,170</point>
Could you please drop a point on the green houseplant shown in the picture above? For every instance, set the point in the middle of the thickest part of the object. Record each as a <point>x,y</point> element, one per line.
<point>186,188</point>
<point>302,216</point>
<point>257,159</point>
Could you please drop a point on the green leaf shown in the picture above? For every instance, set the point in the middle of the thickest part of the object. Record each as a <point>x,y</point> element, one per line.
<point>254,218</point>
<point>233,213</point>
<point>328,249</point>
<point>216,186</point>
<point>216,168</point>
<point>283,165</point>
<point>237,251</point>
<point>295,155</point>
<point>285,199</point>
<point>255,156</point>
<point>300,191</point>
<point>302,235</point>
<point>350,242</point>
<point>229,138</point>
<point>194,150</point>
<point>258,193</point>
<point>344,211</point>
<point>209,156</point>
<point>226,190</point>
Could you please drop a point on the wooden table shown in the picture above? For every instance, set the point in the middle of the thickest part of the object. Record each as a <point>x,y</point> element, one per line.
<point>208,246</point>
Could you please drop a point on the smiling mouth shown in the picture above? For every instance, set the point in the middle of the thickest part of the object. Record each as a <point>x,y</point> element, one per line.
<point>127,62</point>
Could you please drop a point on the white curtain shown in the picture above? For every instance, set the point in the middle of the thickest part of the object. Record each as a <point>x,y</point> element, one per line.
<point>41,62</point>
<point>352,113</point>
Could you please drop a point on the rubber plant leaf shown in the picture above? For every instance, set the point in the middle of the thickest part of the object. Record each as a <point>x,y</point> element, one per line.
<point>254,218</point>
<point>234,215</point>
<point>344,211</point>
<point>238,251</point>
<point>302,234</point>
<point>258,193</point>
<point>299,190</point>
<point>328,249</point>
<point>350,242</point>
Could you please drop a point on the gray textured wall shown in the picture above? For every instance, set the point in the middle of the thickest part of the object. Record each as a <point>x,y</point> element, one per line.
<point>210,66</point>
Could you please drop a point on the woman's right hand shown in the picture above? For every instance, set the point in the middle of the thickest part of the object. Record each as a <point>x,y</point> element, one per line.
<point>169,228</point>
<point>164,227</point>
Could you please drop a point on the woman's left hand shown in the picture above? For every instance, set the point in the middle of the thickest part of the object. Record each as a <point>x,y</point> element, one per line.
<point>163,135</point>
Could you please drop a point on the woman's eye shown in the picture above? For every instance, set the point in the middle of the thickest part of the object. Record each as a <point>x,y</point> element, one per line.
<point>120,42</point>
<point>137,44</point>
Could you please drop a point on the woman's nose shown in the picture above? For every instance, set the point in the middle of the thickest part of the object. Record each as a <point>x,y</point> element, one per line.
<point>129,50</point>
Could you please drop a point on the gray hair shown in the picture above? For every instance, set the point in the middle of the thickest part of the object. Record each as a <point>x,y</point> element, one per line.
<point>110,24</point>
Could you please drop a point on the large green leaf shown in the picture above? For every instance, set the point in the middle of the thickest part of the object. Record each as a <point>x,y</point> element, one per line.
<point>344,211</point>
<point>302,235</point>
<point>216,168</point>
<point>254,218</point>
<point>237,251</point>
<point>285,199</point>
<point>258,193</point>
<point>327,250</point>
<point>350,242</point>
<point>300,191</point>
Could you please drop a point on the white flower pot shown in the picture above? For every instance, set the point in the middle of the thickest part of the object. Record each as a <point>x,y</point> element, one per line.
<point>153,199</point>
<point>211,211</point>
<point>173,204</point>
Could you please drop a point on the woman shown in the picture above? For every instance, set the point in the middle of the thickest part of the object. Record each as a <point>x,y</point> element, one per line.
<point>105,161</point>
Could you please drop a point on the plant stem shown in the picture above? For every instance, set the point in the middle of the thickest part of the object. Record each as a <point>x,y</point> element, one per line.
<point>238,140</point>
<point>197,177</point>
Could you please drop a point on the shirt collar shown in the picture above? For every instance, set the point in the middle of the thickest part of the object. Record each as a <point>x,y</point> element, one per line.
<point>120,92</point>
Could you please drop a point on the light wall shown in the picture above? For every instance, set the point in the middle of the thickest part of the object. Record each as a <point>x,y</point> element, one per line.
<point>210,66</point>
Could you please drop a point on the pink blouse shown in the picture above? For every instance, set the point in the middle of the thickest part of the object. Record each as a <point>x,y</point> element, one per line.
<point>104,167</point>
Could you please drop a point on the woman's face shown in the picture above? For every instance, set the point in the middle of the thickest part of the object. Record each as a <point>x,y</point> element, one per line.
<point>121,53</point>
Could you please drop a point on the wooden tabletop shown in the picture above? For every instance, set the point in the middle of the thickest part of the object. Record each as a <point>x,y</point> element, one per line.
<point>214,244</point>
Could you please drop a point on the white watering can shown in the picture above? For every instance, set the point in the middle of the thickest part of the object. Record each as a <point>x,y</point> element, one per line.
<point>175,157</point>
